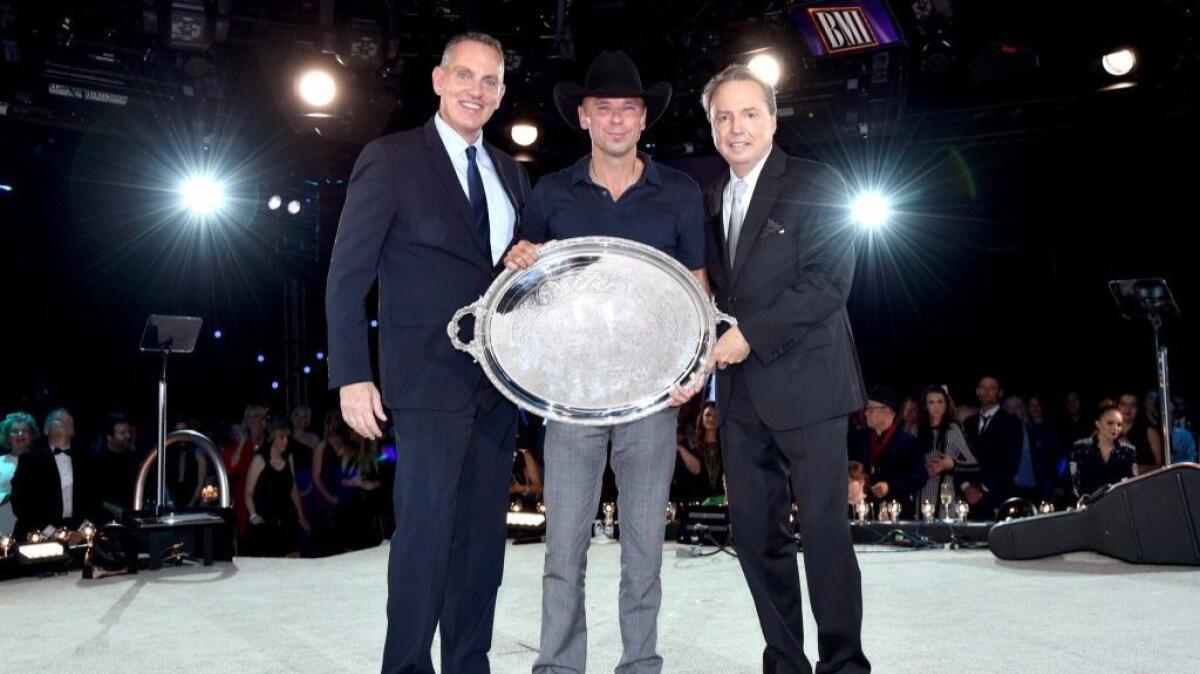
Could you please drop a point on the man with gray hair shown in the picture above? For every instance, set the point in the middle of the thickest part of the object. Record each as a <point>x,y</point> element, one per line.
<point>781,261</point>
<point>51,488</point>
<point>429,212</point>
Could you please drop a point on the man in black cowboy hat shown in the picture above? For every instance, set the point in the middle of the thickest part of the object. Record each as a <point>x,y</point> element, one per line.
<point>614,191</point>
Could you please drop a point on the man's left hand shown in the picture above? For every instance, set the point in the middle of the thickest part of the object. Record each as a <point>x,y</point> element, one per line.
<point>880,489</point>
<point>731,349</point>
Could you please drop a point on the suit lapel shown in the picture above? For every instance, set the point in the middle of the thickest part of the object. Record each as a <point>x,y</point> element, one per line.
<point>717,220</point>
<point>766,190</point>
<point>445,170</point>
<point>505,180</point>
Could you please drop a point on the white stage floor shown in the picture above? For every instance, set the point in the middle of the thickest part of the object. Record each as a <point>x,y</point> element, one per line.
<point>927,611</point>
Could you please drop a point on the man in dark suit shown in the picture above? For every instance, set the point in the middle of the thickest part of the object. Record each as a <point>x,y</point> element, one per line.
<point>52,485</point>
<point>429,213</point>
<point>996,439</point>
<point>781,261</point>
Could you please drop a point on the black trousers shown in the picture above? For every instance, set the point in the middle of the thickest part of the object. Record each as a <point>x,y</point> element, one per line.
<point>447,553</point>
<point>761,467</point>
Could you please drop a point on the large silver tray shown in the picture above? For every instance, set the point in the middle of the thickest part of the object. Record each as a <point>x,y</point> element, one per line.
<point>595,333</point>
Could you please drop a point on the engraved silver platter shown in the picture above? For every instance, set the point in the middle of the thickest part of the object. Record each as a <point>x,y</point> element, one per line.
<point>595,333</point>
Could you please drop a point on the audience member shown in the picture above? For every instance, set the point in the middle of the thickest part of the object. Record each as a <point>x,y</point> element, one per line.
<point>1140,432</point>
<point>948,459</point>
<point>115,465</point>
<point>910,416</point>
<point>52,487</point>
<point>18,432</point>
<point>892,458</point>
<point>706,447</point>
<point>272,499</point>
<point>247,437</point>
<point>1103,459</point>
<point>996,439</point>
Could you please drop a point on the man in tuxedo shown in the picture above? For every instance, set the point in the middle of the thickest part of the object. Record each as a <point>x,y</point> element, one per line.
<point>52,485</point>
<point>429,213</point>
<point>996,438</point>
<point>781,261</point>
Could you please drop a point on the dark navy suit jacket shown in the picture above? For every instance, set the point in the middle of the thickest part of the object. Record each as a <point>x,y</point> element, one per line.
<point>408,223</point>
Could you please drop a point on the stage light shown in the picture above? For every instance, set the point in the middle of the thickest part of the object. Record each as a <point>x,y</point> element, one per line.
<point>524,134</point>
<point>374,323</point>
<point>316,88</point>
<point>274,384</point>
<point>293,207</point>
<point>526,520</point>
<point>260,358</point>
<point>217,334</point>
<point>320,355</point>
<point>202,195</point>
<point>5,187</point>
<point>871,210</point>
<point>38,551</point>
<point>274,202</point>
<point>1119,63</point>
<point>766,67</point>
<point>307,369</point>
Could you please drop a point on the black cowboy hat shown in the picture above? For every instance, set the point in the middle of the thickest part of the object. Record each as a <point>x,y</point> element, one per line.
<point>611,75</point>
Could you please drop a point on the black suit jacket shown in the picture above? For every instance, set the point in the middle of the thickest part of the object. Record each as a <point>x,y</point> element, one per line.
<point>37,492</point>
<point>901,465</point>
<point>998,449</point>
<point>788,290</point>
<point>408,223</point>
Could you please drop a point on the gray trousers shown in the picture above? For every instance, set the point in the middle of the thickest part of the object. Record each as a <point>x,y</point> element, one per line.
<point>643,458</point>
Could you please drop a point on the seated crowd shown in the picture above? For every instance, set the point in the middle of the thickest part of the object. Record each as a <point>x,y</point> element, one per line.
<point>293,491</point>
<point>296,492</point>
<point>928,451</point>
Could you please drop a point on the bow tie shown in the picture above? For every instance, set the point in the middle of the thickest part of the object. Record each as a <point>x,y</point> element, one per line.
<point>58,451</point>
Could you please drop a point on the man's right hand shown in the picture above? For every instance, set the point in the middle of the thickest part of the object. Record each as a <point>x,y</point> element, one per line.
<point>361,406</point>
<point>522,255</point>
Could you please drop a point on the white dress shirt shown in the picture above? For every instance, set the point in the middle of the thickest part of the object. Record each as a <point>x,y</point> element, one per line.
<point>66,476</point>
<point>985,416</point>
<point>751,180</point>
<point>501,216</point>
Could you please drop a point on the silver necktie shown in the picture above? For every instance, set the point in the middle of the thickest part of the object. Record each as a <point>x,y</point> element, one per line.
<point>736,214</point>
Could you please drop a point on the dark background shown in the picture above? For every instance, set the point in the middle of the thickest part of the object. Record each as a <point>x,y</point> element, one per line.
<point>1019,191</point>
